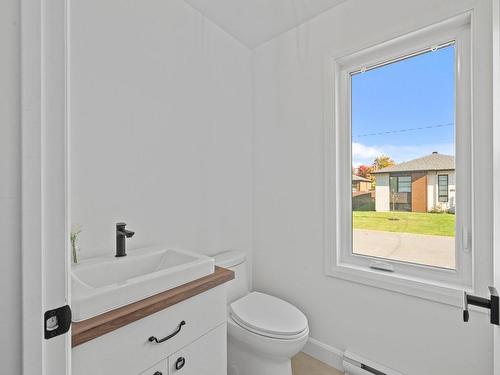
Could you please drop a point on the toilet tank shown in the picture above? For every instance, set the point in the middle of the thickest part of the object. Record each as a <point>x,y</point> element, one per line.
<point>236,261</point>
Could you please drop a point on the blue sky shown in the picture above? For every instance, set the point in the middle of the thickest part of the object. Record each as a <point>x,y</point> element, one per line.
<point>413,93</point>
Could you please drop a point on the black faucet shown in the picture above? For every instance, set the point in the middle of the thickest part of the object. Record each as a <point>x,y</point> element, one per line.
<point>121,235</point>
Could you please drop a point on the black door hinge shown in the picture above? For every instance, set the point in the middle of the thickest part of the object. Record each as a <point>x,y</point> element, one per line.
<point>57,321</point>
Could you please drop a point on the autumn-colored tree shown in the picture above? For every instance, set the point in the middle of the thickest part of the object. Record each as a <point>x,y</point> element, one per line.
<point>364,171</point>
<point>382,161</point>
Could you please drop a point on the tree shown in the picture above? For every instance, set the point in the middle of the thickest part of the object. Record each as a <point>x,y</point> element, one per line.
<point>364,171</point>
<point>382,161</point>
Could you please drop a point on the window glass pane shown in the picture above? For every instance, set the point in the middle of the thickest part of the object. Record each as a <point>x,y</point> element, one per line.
<point>404,184</point>
<point>403,143</point>
<point>393,184</point>
<point>443,188</point>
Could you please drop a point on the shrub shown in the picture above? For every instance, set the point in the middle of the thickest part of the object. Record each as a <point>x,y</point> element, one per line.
<point>437,209</point>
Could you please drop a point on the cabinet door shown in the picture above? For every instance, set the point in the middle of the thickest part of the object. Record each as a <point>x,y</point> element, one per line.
<point>205,356</point>
<point>159,369</point>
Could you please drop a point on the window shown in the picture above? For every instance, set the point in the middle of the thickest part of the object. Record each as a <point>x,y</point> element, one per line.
<point>399,194</point>
<point>402,112</point>
<point>443,188</point>
<point>404,184</point>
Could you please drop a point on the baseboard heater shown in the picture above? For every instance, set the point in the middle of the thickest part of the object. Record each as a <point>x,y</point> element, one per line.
<point>357,365</point>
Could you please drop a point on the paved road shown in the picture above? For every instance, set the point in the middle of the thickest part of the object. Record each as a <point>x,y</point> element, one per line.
<point>416,248</point>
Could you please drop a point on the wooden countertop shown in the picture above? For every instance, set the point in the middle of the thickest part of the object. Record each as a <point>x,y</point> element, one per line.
<point>99,325</point>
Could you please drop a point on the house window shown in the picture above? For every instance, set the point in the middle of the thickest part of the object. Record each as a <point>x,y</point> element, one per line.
<point>399,193</point>
<point>402,113</point>
<point>443,188</point>
<point>404,184</point>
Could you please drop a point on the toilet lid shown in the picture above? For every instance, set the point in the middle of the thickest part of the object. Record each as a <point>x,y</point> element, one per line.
<point>268,315</point>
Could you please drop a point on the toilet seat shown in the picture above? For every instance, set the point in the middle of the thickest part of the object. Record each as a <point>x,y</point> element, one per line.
<point>269,316</point>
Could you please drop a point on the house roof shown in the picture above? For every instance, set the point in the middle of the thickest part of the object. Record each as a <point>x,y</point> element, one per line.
<point>432,162</point>
<point>359,178</point>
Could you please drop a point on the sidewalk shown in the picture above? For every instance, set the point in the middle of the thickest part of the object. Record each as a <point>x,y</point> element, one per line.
<point>436,251</point>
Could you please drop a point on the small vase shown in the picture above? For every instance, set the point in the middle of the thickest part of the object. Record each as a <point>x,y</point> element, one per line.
<point>75,248</point>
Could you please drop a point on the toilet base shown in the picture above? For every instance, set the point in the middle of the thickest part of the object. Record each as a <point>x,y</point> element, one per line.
<point>252,354</point>
<point>241,361</point>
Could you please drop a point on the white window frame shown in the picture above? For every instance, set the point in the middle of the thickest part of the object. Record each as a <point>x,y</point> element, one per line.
<point>428,282</point>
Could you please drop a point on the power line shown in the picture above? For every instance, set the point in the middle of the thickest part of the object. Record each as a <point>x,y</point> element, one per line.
<point>397,131</point>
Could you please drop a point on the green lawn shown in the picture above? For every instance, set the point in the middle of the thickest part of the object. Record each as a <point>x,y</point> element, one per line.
<point>409,222</point>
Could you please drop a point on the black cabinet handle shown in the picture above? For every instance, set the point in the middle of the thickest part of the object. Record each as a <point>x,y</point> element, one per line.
<point>153,338</point>
<point>181,361</point>
<point>158,373</point>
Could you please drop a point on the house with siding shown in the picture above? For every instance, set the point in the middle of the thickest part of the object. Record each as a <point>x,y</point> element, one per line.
<point>419,185</point>
<point>360,184</point>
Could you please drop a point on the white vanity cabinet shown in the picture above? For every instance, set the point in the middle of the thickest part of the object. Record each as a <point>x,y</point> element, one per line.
<point>197,347</point>
<point>158,369</point>
<point>205,356</point>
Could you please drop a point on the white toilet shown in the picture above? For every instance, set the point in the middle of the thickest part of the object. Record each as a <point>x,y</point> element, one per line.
<point>264,332</point>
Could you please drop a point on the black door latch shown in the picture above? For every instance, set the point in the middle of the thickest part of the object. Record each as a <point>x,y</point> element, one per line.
<point>57,321</point>
<point>492,303</point>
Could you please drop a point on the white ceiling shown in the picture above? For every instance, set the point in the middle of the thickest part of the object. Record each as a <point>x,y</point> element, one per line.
<point>254,22</point>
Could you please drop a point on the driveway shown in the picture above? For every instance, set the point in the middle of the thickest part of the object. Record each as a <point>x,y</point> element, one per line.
<point>415,248</point>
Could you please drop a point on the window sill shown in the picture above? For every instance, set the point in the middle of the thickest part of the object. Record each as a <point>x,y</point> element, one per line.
<point>426,289</point>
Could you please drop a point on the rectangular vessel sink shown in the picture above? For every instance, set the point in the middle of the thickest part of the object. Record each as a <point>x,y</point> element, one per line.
<point>103,284</point>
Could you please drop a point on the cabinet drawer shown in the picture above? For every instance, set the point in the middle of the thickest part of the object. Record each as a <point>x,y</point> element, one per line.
<point>159,369</point>
<point>205,356</point>
<point>127,349</point>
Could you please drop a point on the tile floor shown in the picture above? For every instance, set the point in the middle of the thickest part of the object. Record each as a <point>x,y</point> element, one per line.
<point>303,364</point>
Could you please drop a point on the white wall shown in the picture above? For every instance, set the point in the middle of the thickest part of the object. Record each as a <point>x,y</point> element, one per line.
<point>413,335</point>
<point>160,123</point>
<point>433,190</point>
<point>382,192</point>
<point>10,199</point>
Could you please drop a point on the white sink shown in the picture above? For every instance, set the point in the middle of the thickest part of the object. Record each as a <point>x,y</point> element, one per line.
<point>104,284</point>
